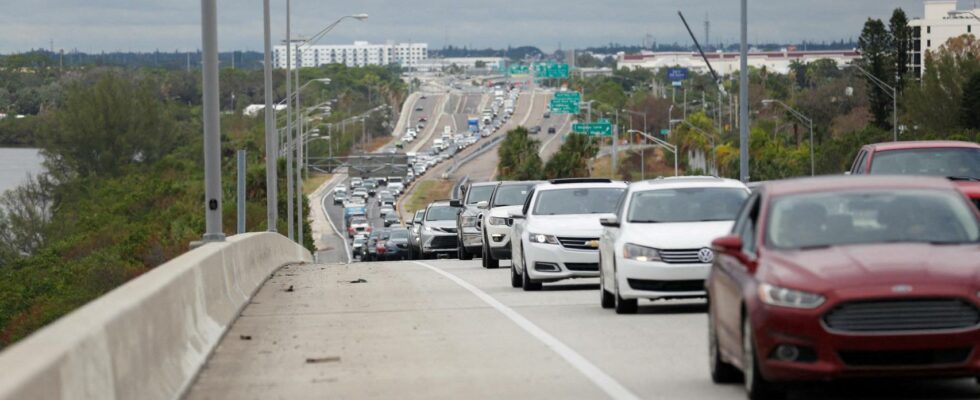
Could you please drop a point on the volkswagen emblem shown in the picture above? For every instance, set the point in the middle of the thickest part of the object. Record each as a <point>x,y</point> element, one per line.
<point>902,289</point>
<point>706,255</point>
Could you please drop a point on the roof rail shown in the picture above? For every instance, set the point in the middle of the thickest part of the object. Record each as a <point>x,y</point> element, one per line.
<point>579,180</point>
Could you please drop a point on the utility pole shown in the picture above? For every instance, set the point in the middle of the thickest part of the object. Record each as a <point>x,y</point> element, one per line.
<point>299,152</point>
<point>289,132</point>
<point>743,96</point>
<point>212,123</point>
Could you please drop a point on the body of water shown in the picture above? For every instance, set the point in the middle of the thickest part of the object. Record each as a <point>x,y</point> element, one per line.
<point>16,165</point>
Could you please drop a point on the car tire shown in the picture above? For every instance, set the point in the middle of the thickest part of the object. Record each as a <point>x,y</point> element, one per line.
<point>625,306</point>
<point>526,283</point>
<point>464,255</point>
<point>483,256</point>
<point>721,371</point>
<point>756,386</point>
<point>515,280</point>
<point>606,299</point>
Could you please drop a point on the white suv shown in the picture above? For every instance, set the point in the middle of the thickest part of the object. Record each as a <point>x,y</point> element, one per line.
<point>658,243</point>
<point>555,235</point>
<point>495,224</point>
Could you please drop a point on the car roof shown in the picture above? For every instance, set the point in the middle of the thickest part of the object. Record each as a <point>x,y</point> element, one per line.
<point>686,182</point>
<point>837,183</point>
<point>922,144</point>
<point>479,184</point>
<point>439,203</point>
<point>589,185</point>
<point>520,183</point>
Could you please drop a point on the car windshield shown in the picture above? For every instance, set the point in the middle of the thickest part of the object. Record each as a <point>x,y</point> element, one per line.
<point>949,162</point>
<point>441,213</point>
<point>400,234</point>
<point>577,201</point>
<point>370,184</point>
<point>861,217</point>
<point>511,195</point>
<point>686,205</point>
<point>479,193</point>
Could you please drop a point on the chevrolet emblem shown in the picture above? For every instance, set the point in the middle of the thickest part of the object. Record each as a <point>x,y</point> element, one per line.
<point>593,244</point>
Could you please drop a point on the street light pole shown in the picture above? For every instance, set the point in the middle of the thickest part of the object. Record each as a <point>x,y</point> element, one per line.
<point>643,151</point>
<point>743,98</point>
<point>885,88</point>
<point>212,122</point>
<point>662,143</point>
<point>271,136</point>
<point>289,131</point>
<point>803,118</point>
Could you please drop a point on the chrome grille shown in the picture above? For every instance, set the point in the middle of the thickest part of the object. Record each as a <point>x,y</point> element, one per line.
<point>902,315</point>
<point>684,256</point>
<point>577,243</point>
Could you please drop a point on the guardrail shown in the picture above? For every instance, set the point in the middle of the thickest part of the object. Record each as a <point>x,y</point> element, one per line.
<point>469,157</point>
<point>148,338</point>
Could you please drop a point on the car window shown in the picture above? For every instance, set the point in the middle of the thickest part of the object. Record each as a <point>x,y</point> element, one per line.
<point>577,201</point>
<point>949,162</point>
<point>441,213</point>
<point>419,215</point>
<point>686,205</point>
<point>511,195</point>
<point>857,168</point>
<point>527,203</point>
<point>749,230</point>
<point>871,216</point>
<point>477,194</point>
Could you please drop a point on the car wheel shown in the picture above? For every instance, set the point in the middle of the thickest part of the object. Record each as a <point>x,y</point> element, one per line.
<point>756,385</point>
<point>463,254</point>
<point>515,280</point>
<point>526,282</point>
<point>483,255</point>
<point>605,298</point>
<point>624,306</point>
<point>721,371</point>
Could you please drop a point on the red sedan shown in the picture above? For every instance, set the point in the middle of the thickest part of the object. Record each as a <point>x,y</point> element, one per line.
<point>845,277</point>
<point>959,161</point>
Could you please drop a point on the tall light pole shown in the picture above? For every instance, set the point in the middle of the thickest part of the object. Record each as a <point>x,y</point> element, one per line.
<point>743,98</point>
<point>289,131</point>
<point>661,143</point>
<point>801,117</point>
<point>271,136</point>
<point>885,88</point>
<point>643,164</point>
<point>212,122</point>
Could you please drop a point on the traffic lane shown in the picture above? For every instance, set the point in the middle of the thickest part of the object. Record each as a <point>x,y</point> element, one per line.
<point>553,141</point>
<point>380,330</point>
<point>661,352</point>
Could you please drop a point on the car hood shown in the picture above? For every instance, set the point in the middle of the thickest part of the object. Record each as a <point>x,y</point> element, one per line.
<point>679,235</point>
<point>441,224</point>
<point>863,266</point>
<point>504,212</point>
<point>577,225</point>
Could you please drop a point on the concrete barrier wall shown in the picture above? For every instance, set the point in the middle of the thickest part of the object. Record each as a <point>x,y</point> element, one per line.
<point>148,338</point>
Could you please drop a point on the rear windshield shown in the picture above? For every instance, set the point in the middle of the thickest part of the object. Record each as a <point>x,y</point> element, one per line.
<point>478,194</point>
<point>511,195</point>
<point>948,162</point>
<point>577,201</point>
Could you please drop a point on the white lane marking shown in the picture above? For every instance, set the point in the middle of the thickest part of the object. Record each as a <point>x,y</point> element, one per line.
<point>605,382</point>
<point>343,236</point>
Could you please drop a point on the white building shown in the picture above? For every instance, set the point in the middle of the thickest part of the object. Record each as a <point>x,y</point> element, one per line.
<point>467,63</point>
<point>728,63</point>
<point>358,54</point>
<point>936,27</point>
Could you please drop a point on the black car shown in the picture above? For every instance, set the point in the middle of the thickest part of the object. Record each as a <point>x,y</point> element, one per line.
<point>370,250</point>
<point>534,129</point>
<point>372,186</point>
<point>391,219</point>
<point>551,130</point>
<point>397,246</point>
<point>418,108</point>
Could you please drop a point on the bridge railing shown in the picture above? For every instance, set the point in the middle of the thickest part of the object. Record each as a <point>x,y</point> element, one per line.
<point>148,338</point>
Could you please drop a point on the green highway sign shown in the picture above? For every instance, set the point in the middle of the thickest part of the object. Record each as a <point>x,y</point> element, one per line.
<point>551,70</point>
<point>665,132</point>
<point>565,103</point>
<point>564,108</point>
<point>571,96</point>
<point>593,129</point>
<point>518,69</point>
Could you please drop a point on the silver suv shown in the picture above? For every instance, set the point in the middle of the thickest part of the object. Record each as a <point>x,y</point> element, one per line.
<point>468,222</point>
<point>438,231</point>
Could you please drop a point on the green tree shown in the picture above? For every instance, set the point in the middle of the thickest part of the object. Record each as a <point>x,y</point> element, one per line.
<point>970,108</point>
<point>104,127</point>
<point>518,157</point>
<point>572,159</point>
<point>901,40</point>
<point>934,105</point>
<point>875,45</point>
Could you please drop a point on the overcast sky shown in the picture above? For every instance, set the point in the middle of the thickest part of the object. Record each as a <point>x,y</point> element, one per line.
<point>168,25</point>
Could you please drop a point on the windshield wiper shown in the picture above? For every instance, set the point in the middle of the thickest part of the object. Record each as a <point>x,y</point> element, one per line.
<point>962,178</point>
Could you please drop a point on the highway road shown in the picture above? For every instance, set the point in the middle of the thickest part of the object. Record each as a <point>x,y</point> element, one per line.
<point>451,329</point>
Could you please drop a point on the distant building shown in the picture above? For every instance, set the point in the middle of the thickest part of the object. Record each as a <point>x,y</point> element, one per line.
<point>467,63</point>
<point>936,27</point>
<point>728,63</point>
<point>358,54</point>
<point>252,110</point>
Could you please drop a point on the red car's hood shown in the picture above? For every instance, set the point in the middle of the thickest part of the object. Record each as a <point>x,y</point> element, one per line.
<point>863,266</point>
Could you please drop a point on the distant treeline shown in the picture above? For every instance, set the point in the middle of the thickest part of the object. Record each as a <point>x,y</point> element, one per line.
<point>612,48</point>
<point>41,58</point>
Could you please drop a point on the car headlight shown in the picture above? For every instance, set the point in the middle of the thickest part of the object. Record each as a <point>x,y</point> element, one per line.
<point>640,253</point>
<point>542,238</point>
<point>497,221</point>
<point>429,229</point>
<point>469,221</point>
<point>783,297</point>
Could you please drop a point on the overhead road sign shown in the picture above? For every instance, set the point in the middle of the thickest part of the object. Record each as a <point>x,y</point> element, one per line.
<point>593,129</point>
<point>676,74</point>
<point>551,70</point>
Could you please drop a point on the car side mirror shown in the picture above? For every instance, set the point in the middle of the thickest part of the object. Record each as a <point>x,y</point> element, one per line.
<point>455,203</point>
<point>483,205</point>
<point>610,222</point>
<point>847,172</point>
<point>732,245</point>
<point>516,215</point>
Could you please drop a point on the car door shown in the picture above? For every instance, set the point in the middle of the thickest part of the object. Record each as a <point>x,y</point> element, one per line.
<point>728,276</point>
<point>517,234</point>
<point>608,244</point>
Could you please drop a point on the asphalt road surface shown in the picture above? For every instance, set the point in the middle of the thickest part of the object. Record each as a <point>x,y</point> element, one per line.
<point>451,329</point>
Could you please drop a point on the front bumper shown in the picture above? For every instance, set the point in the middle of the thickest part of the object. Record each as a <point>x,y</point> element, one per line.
<point>439,242</point>
<point>552,262</point>
<point>659,280</point>
<point>472,240</point>
<point>498,236</point>
<point>837,355</point>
